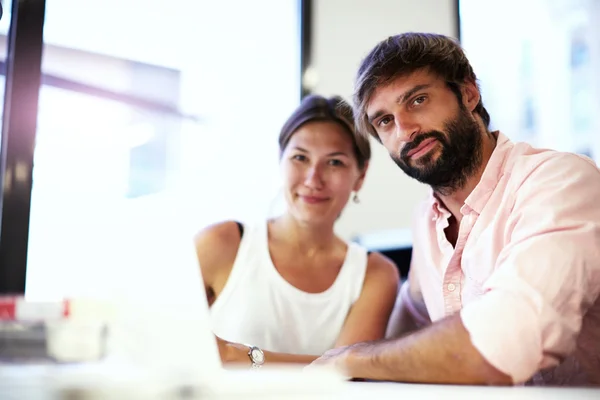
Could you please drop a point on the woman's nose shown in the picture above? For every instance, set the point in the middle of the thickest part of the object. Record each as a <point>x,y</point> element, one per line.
<point>314,178</point>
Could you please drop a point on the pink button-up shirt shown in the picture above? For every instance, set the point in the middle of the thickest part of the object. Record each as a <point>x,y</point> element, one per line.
<point>525,272</point>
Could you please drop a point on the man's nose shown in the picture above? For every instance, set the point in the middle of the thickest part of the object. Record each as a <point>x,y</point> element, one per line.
<point>406,127</point>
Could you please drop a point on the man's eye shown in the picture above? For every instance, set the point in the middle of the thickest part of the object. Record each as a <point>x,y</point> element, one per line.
<point>384,121</point>
<point>419,100</point>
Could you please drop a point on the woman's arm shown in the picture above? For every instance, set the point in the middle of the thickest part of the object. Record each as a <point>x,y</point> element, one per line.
<point>236,353</point>
<point>216,248</point>
<point>368,317</point>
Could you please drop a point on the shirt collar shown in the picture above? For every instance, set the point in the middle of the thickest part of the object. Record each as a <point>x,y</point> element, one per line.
<point>489,180</point>
<point>491,175</point>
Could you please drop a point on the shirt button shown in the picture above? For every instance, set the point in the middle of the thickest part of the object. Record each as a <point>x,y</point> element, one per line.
<point>451,287</point>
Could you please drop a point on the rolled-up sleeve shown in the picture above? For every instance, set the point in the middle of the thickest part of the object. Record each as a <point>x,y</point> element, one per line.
<point>548,275</point>
<point>418,313</point>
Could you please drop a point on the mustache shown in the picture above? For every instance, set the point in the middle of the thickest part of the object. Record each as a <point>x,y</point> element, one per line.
<point>416,142</point>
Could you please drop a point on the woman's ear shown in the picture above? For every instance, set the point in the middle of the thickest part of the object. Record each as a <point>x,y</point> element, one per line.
<point>361,178</point>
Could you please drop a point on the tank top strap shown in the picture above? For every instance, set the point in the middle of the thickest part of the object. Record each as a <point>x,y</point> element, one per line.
<point>355,271</point>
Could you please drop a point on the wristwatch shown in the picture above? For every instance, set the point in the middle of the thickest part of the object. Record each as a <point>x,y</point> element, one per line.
<point>257,357</point>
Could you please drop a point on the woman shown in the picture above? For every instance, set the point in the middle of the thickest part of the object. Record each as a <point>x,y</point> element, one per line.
<point>289,289</point>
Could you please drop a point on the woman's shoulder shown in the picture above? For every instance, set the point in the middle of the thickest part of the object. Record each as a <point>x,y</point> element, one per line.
<point>217,245</point>
<point>220,234</point>
<point>381,268</point>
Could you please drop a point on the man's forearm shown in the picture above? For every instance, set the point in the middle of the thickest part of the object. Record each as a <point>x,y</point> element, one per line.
<point>440,353</point>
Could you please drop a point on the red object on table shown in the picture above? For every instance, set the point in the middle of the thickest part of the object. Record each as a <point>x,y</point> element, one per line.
<point>17,308</point>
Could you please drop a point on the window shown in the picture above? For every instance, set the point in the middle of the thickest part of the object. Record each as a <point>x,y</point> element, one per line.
<point>540,81</point>
<point>173,123</point>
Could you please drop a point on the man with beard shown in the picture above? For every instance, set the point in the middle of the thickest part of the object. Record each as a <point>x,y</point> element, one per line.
<point>505,274</point>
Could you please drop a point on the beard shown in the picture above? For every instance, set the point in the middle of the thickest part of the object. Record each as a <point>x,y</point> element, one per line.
<point>459,158</point>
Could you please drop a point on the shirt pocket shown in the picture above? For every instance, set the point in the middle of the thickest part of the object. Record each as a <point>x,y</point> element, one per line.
<point>479,261</point>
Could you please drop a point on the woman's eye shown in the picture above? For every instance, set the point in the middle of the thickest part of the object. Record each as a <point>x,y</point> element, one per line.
<point>299,157</point>
<point>336,163</point>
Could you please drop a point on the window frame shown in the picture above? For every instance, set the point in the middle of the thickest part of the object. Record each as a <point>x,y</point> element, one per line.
<point>24,78</point>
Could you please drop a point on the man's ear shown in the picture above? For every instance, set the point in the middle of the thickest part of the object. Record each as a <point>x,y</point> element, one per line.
<point>470,95</point>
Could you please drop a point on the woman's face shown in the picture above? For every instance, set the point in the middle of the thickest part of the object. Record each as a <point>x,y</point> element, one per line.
<point>320,171</point>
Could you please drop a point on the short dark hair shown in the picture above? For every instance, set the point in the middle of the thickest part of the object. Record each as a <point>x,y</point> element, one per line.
<point>333,109</point>
<point>406,53</point>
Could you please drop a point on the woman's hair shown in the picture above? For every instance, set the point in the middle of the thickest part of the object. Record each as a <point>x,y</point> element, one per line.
<point>333,109</point>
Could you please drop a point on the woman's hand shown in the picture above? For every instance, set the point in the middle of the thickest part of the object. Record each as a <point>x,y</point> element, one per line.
<point>232,353</point>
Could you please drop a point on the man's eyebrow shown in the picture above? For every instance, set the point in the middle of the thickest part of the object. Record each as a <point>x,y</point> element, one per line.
<point>376,115</point>
<point>400,99</point>
<point>406,95</point>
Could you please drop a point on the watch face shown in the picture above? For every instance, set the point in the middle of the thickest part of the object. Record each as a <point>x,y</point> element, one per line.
<point>257,356</point>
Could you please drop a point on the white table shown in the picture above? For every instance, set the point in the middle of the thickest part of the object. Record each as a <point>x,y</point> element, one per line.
<point>385,390</point>
<point>37,383</point>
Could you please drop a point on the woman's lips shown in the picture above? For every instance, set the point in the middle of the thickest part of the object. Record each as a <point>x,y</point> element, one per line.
<point>313,199</point>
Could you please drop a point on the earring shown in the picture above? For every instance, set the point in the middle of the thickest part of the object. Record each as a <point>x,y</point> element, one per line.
<point>355,198</point>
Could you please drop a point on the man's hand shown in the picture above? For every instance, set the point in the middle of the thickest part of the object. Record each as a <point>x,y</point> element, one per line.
<point>335,358</point>
<point>439,353</point>
<point>340,358</point>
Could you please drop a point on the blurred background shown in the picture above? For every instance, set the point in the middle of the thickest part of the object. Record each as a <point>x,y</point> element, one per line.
<point>167,112</point>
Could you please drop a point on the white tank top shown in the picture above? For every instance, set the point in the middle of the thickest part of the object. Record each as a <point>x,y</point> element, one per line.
<point>259,307</point>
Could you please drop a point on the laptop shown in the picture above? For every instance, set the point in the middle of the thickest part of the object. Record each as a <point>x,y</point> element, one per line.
<point>163,325</point>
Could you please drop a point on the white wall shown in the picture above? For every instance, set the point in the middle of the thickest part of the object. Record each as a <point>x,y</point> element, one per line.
<point>343,32</point>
